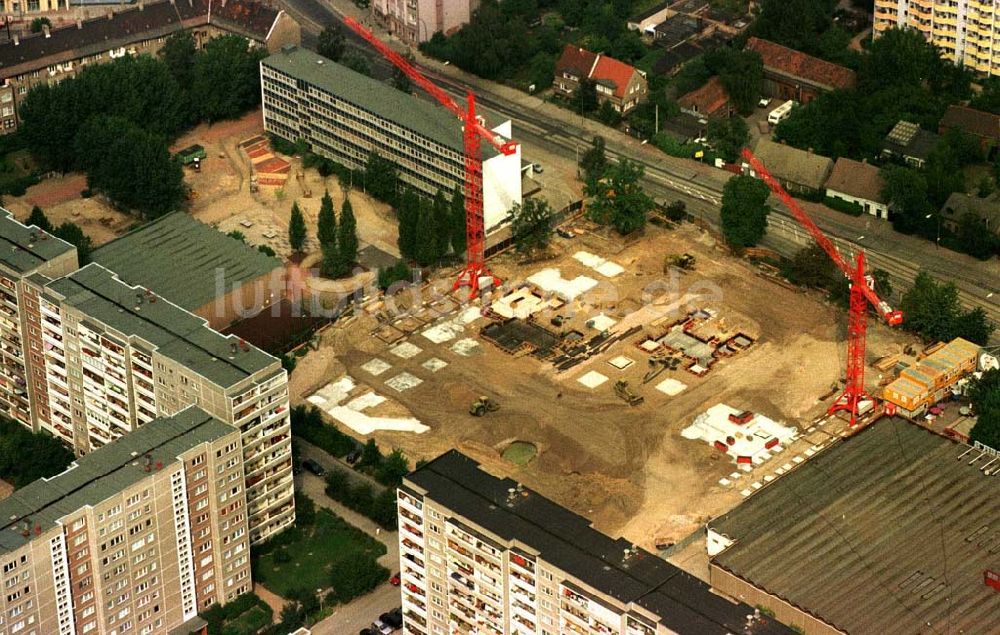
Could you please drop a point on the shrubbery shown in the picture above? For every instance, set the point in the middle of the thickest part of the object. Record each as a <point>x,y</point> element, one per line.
<point>308,424</point>
<point>362,498</point>
<point>245,615</point>
<point>847,207</point>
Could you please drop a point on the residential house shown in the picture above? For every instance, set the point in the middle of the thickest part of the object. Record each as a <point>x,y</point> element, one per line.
<point>791,74</point>
<point>646,21</point>
<point>910,143</point>
<point>984,126</point>
<point>617,82</point>
<point>798,171</point>
<point>711,100</point>
<point>56,54</point>
<point>677,29</point>
<point>858,182</point>
<point>959,204</point>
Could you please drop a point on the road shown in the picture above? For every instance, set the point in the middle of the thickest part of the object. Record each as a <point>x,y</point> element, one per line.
<point>541,125</point>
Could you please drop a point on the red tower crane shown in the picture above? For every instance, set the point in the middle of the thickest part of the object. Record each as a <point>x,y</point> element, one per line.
<point>473,133</point>
<point>862,294</point>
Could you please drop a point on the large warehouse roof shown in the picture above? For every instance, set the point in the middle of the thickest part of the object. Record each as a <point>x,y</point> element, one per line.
<point>888,531</point>
<point>182,258</point>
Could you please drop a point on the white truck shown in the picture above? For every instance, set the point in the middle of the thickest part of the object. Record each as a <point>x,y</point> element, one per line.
<point>780,113</point>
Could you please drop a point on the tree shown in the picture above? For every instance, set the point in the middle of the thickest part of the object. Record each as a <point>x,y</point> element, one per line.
<point>381,177</point>
<point>357,63</point>
<point>608,115</point>
<point>988,98</point>
<point>811,267</point>
<point>73,234</point>
<point>744,211</point>
<point>401,81</point>
<point>932,311</point>
<point>741,73</point>
<point>975,238</point>
<point>370,455</point>
<point>226,78</point>
<point>457,215</point>
<point>354,574</point>
<point>393,468</point>
<point>984,394</point>
<point>331,42</point>
<point>618,199</point>
<point>905,190</point>
<point>584,100</point>
<point>331,265</point>
<point>179,53</point>
<point>442,224</point>
<point>594,161</point>
<point>347,236</point>
<point>39,219</point>
<point>426,239</point>
<point>728,136</point>
<point>296,229</point>
<point>407,214</point>
<point>326,231</point>
<point>796,24</point>
<point>676,211</point>
<point>38,23</point>
<point>532,225</point>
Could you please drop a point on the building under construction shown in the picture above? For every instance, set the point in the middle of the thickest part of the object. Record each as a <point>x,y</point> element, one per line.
<point>921,386</point>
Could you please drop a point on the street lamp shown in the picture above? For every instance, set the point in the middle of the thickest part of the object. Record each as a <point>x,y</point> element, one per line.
<point>937,241</point>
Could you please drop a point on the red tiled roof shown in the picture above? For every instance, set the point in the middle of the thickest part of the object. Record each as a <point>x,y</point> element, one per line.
<point>707,100</point>
<point>977,122</point>
<point>576,61</point>
<point>796,63</point>
<point>598,68</point>
<point>610,70</point>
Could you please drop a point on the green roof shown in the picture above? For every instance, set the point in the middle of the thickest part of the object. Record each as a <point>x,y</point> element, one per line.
<point>95,477</point>
<point>24,248</point>
<point>177,334</point>
<point>422,117</point>
<point>179,258</point>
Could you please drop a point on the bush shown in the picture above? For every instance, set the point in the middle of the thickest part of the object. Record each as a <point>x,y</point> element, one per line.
<point>362,498</point>
<point>239,617</point>
<point>399,272</point>
<point>848,207</point>
<point>308,424</point>
<point>356,575</point>
<point>305,510</point>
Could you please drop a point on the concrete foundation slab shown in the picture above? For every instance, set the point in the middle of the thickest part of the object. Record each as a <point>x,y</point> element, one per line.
<point>406,350</point>
<point>466,348</point>
<point>365,401</point>
<point>593,379</point>
<point>404,381</point>
<point>621,362</point>
<point>601,322</point>
<point>375,366</point>
<point>671,387</point>
<point>434,364</point>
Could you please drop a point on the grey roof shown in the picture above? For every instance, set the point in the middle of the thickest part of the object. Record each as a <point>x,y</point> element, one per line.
<point>684,604</point>
<point>180,258</point>
<point>794,165</point>
<point>101,474</point>
<point>422,117</point>
<point>176,333</point>
<point>885,532</point>
<point>987,209</point>
<point>907,139</point>
<point>24,248</point>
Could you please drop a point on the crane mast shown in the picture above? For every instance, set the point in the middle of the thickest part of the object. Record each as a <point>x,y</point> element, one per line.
<point>862,295</point>
<point>474,132</point>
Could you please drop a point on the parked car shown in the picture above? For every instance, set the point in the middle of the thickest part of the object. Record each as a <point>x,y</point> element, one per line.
<point>378,626</point>
<point>353,456</point>
<point>537,168</point>
<point>297,468</point>
<point>393,618</point>
<point>394,580</point>
<point>312,466</point>
<point>565,234</point>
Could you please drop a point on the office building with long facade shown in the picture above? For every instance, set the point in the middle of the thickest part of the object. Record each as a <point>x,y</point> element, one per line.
<point>967,32</point>
<point>480,554</point>
<point>346,117</point>
<point>136,537</point>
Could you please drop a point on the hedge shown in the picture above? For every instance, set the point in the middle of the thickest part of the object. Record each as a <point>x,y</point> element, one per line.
<point>847,207</point>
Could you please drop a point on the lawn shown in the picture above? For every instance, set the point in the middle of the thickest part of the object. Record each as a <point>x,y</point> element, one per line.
<point>310,553</point>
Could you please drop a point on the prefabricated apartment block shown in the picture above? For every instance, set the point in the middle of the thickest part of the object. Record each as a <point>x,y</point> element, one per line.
<point>919,387</point>
<point>346,116</point>
<point>480,554</point>
<point>91,359</point>
<point>136,537</point>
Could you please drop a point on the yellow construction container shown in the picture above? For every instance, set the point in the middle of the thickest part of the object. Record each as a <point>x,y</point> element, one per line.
<point>926,383</point>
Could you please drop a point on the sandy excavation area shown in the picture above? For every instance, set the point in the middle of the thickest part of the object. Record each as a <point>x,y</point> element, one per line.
<point>626,468</point>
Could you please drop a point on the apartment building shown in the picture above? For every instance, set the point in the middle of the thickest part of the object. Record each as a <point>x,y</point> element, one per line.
<point>25,252</point>
<point>480,554</point>
<point>967,33</point>
<point>136,537</point>
<point>116,357</point>
<point>56,54</point>
<point>346,116</point>
<point>415,21</point>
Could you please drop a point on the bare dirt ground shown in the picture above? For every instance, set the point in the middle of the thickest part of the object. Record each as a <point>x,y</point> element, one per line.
<point>627,469</point>
<point>60,199</point>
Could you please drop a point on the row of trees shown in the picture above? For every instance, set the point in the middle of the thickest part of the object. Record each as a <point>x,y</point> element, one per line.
<point>933,311</point>
<point>125,113</point>
<point>985,397</point>
<point>338,241</point>
<point>430,228</point>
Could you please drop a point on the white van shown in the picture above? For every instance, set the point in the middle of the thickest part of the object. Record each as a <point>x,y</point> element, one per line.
<point>780,113</point>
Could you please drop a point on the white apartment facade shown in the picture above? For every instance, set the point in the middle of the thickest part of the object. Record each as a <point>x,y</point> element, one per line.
<point>135,538</point>
<point>415,21</point>
<point>346,116</point>
<point>479,554</point>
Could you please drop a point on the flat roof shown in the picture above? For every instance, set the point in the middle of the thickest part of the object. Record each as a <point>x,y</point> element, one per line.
<point>99,475</point>
<point>379,98</point>
<point>683,603</point>
<point>887,531</point>
<point>24,248</point>
<point>177,334</point>
<point>180,258</point>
